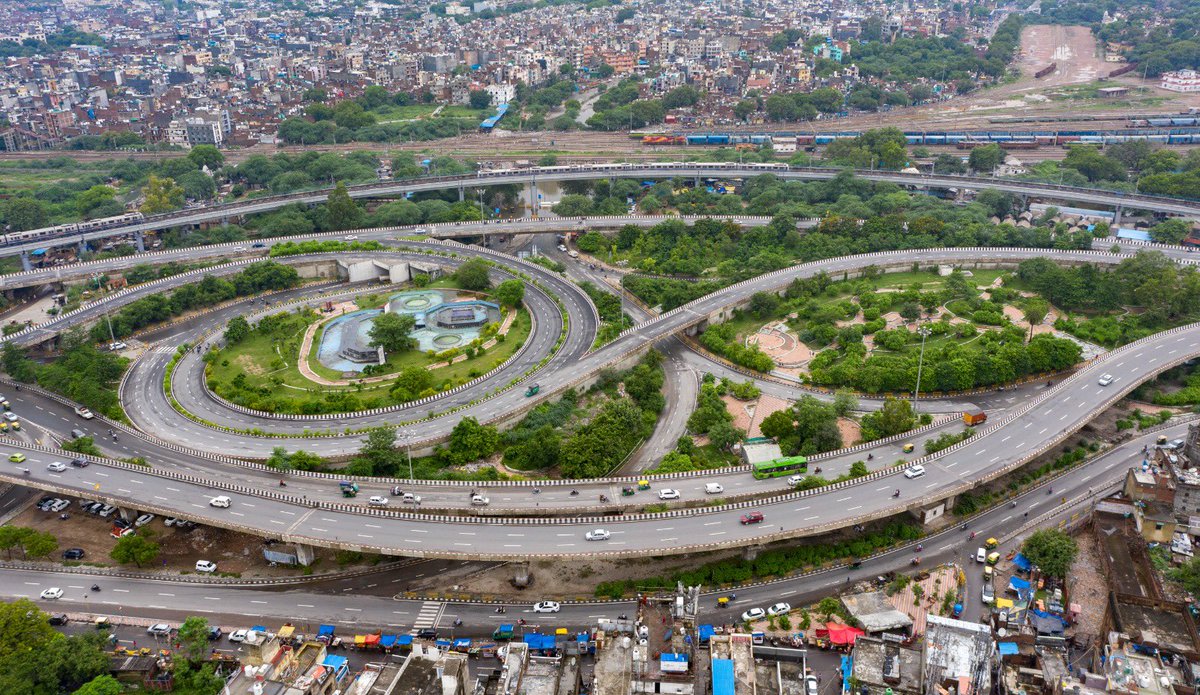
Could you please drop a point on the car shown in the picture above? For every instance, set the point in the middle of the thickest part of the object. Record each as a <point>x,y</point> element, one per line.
<point>143,520</point>
<point>17,457</point>
<point>427,633</point>
<point>77,434</point>
<point>410,498</point>
<point>80,462</point>
<point>170,521</point>
<point>121,523</point>
<point>668,494</point>
<point>95,507</point>
<point>1174,444</point>
<point>914,471</point>
<point>107,511</point>
<point>713,488</point>
<point>546,607</point>
<point>479,501</point>
<point>753,614</point>
<point>215,633</point>
<point>238,248</point>
<point>73,554</point>
<point>85,503</point>
<point>119,532</point>
<point>52,593</point>
<point>11,416</point>
<point>752,518</point>
<point>206,566</point>
<point>811,687</point>
<point>60,505</point>
<point>56,466</point>
<point>377,501</point>
<point>780,608</point>
<point>1106,379</point>
<point>795,480</point>
<point>350,237</point>
<point>59,619</point>
<point>598,535</point>
<point>45,503</point>
<point>573,253</point>
<point>258,245</point>
<point>987,594</point>
<point>562,248</point>
<point>981,556</point>
<point>84,413</point>
<point>159,630</point>
<point>220,501</point>
<point>238,635</point>
<point>117,346</point>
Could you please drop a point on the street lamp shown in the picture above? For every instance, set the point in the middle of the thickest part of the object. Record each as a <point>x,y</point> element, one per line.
<point>407,438</point>
<point>924,333</point>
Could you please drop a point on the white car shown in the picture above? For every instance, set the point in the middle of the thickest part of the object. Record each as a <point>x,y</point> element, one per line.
<point>410,498</point>
<point>546,607</point>
<point>206,566</point>
<point>351,237</point>
<point>52,594</point>
<point>753,614</point>
<point>11,416</point>
<point>117,346</point>
<point>981,556</point>
<point>562,248</point>
<point>713,488</point>
<point>60,505</point>
<point>780,608</point>
<point>170,521</point>
<point>57,467</point>
<point>107,511</point>
<point>914,471</point>
<point>84,413</point>
<point>159,629</point>
<point>143,520</point>
<point>479,501</point>
<point>811,687</point>
<point>378,501</point>
<point>668,494</point>
<point>795,480</point>
<point>238,635</point>
<point>1106,379</point>
<point>598,535</point>
<point>221,501</point>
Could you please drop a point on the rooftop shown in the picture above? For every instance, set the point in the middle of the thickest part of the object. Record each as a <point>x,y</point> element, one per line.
<point>881,665</point>
<point>958,652</point>
<point>875,613</point>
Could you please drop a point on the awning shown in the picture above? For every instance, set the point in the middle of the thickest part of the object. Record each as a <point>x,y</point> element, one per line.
<point>1022,562</point>
<point>403,640</point>
<point>706,631</point>
<point>462,642</point>
<point>1004,603</point>
<point>325,630</point>
<point>286,631</point>
<point>387,641</point>
<point>842,634</point>
<point>1007,648</point>
<point>372,640</point>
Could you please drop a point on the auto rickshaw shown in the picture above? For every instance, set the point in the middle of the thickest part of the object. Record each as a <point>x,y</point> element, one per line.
<point>16,426</point>
<point>993,558</point>
<point>908,448</point>
<point>723,602</point>
<point>348,489</point>
<point>1162,439</point>
<point>627,491</point>
<point>992,543</point>
<point>643,484</point>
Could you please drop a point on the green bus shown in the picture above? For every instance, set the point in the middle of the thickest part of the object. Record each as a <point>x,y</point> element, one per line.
<point>780,467</point>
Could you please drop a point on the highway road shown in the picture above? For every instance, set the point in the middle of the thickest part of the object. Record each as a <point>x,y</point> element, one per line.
<point>238,608</point>
<point>645,171</point>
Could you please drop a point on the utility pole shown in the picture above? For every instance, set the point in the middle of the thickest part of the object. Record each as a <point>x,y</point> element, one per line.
<point>924,332</point>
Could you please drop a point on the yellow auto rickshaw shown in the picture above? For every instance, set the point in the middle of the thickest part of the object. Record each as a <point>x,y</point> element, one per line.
<point>993,558</point>
<point>987,572</point>
<point>643,484</point>
<point>908,448</point>
<point>723,602</point>
<point>561,632</point>
<point>992,543</point>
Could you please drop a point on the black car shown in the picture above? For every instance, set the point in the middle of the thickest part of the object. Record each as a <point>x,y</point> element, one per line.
<point>427,633</point>
<point>58,619</point>
<point>214,633</point>
<point>73,554</point>
<point>79,463</point>
<point>121,523</point>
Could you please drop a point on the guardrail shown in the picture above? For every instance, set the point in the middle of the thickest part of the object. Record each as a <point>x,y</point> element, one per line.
<point>208,579</point>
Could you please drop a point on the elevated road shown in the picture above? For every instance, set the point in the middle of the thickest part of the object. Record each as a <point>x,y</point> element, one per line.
<point>646,171</point>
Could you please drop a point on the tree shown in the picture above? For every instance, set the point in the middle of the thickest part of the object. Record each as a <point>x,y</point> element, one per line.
<point>1036,309</point>
<point>724,435</point>
<point>948,164</point>
<point>379,449</point>
<point>95,200</point>
<point>101,685</point>
<point>744,108</point>
<point>510,292</point>
<point>391,331</point>
<point>844,402</point>
<point>341,211</point>
<point>894,417</point>
<point>193,638</point>
<point>411,383</point>
<point>1172,231</point>
<point>593,243</point>
<point>573,206</point>
<point>470,441</point>
<point>136,548</point>
<point>21,214</point>
<point>236,330</point>
<point>685,95</point>
<point>39,544</point>
<point>24,627</point>
<point>1187,575</point>
<point>985,159</point>
<point>473,275</point>
<point>603,71</point>
<point>162,195</point>
<point>206,156</point>
<point>480,99</point>
<point>1051,550</point>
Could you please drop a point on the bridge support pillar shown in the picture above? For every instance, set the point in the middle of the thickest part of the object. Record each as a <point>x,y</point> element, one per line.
<point>83,247</point>
<point>462,194</point>
<point>305,555</point>
<point>140,238</point>
<point>750,552</point>
<point>225,221</point>
<point>522,577</point>
<point>25,264</point>
<point>533,198</point>
<point>127,514</point>
<point>1116,218</point>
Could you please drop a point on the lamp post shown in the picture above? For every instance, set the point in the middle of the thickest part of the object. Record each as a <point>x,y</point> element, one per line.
<point>924,333</point>
<point>406,438</point>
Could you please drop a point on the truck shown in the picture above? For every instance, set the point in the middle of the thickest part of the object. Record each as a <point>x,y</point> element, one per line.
<point>976,417</point>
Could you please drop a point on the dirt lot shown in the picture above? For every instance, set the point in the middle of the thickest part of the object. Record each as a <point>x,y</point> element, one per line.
<point>180,548</point>
<point>1089,587</point>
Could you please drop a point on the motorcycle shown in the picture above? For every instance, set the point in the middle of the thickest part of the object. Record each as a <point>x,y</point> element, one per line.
<point>603,498</point>
<point>817,470</point>
<point>458,622</point>
<point>574,493</point>
<point>95,587</point>
<point>282,484</point>
<point>500,610</point>
<point>896,493</point>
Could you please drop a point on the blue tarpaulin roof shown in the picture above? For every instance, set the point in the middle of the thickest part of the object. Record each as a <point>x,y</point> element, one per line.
<point>722,676</point>
<point>582,637</point>
<point>1022,562</point>
<point>680,658</point>
<point>387,641</point>
<point>325,630</point>
<point>1021,586</point>
<point>1134,234</point>
<point>462,642</point>
<point>334,661</point>
<point>403,640</point>
<point>539,641</point>
<point>1007,648</point>
<point>39,252</point>
<point>442,643</point>
<point>706,631</point>
<point>259,628</point>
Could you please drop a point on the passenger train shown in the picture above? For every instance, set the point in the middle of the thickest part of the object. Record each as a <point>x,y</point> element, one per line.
<point>1183,135</point>
<point>70,228</point>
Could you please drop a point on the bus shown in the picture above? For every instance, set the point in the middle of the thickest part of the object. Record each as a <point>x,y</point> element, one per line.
<point>781,466</point>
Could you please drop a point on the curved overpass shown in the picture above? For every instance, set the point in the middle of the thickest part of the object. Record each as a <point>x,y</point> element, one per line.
<point>1036,428</point>
<point>658,170</point>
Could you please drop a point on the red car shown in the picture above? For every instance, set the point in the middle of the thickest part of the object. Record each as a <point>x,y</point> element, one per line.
<point>752,518</point>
